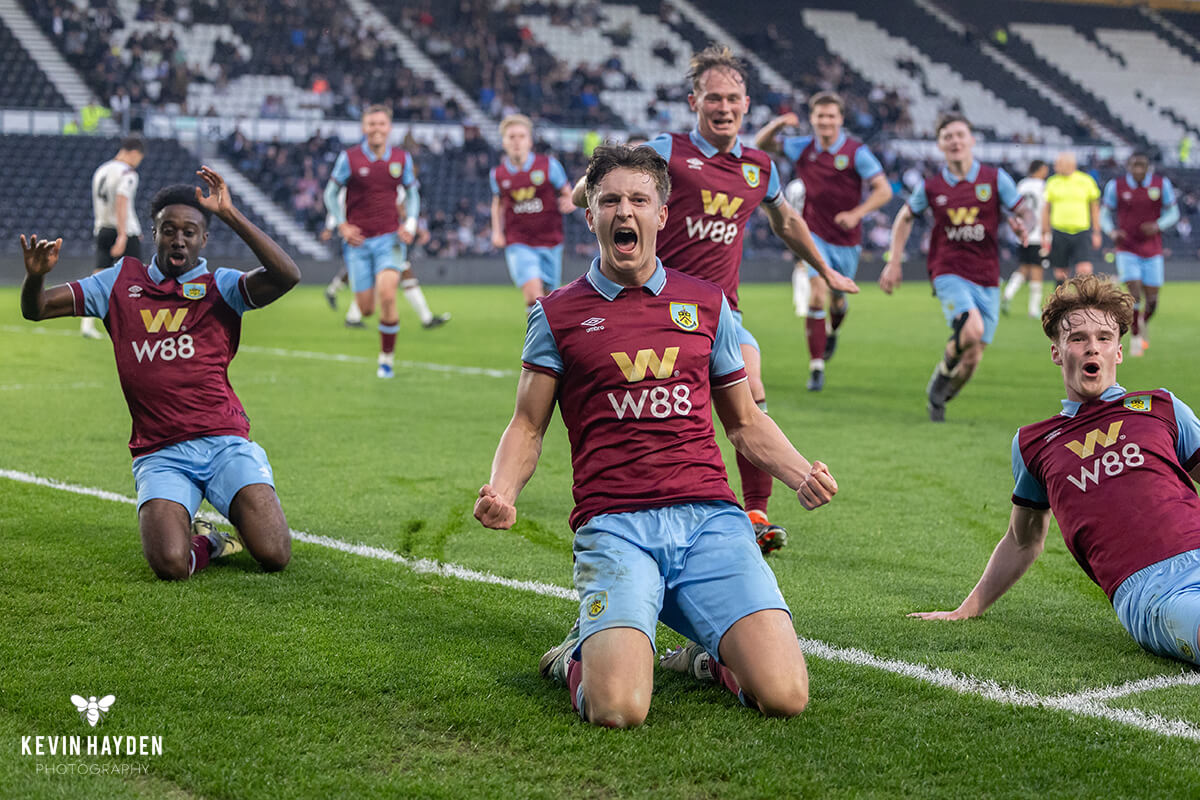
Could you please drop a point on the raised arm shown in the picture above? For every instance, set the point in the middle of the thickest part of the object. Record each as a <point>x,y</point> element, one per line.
<point>765,138</point>
<point>1020,547</point>
<point>902,226</point>
<point>517,454</point>
<point>758,438</point>
<point>37,302</point>
<point>278,272</point>
<point>791,228</point>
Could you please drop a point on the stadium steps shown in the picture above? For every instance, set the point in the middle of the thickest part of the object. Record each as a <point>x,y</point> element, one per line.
<point>242,187</point>
<point>1175,35</point>
<point>416,60</point>
<point>22,82</point>
<point>716,33</point>
<point>1034,94</point>
<point>1002,16</point>
<point>44,53</point>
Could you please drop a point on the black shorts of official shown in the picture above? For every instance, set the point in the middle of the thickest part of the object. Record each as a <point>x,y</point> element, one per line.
<point>1068,249</point>
<point>106,238</point>
<point>1032,254</point>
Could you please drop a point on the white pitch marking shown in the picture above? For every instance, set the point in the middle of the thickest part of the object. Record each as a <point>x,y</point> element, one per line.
<point>311,355</point>
<point>1088,703</point>
<point>12,387</point>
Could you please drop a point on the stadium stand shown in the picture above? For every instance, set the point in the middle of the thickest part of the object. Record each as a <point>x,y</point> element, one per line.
<point>22,82</point>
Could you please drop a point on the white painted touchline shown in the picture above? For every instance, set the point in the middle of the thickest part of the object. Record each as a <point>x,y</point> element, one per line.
<point>311,355</point>
<point>1088,703</point>
<point>12,387</point>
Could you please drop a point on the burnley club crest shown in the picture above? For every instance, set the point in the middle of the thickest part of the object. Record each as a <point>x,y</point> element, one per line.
<point>685,315</point>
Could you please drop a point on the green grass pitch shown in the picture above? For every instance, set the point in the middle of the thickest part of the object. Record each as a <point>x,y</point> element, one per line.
<point>348,676</point>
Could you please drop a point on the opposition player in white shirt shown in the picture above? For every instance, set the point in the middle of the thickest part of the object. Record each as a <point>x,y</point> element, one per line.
<point>116,228</point>
<point>1032,189</point>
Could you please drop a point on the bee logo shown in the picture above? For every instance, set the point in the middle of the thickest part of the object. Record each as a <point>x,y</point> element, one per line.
<point>91,709</point>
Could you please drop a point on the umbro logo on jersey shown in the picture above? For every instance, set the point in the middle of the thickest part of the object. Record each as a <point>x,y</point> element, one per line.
<point>135,291</point>
<point>593,324</point>
<point>695,163</point>
<point>941,200</point>
<point>364,171</point>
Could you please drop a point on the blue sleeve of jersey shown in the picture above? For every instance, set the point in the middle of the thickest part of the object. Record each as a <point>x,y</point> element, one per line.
<point>558,175</point>
<point>793,146</point>
<point>726,354</point>
<point>661,145</point>
<point>1168,218</point>
<point>1026,486</point>
<point>1187,446</point>
<point>96,290</point>
<point>540,348</point>
<point>773,196</point>
<point>341,169</point>
<point>866,164</point>
<point>412,201</point>
<point>1168,195</point>
<point>1108,198</point>
<point>1107,223</point>
<point>492,181</point>
<point>1007,188</point>
<point>227,284</point>
<point>918,201</point>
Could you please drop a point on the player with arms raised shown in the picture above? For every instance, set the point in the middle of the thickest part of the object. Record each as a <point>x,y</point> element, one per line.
<point>530,195</point>
<point>1143,203</point>
<point>175,327</point>
<point>966,199</point>
<point>717,183</point>
<point>658,533</point>
<point>1107,452</point>
<point>833,166</point>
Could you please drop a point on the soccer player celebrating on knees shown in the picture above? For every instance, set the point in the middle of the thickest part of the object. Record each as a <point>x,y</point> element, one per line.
<point>114,205</point>
<point>1032,190</point>
<point>834,166</point>
<point>175,327</point>
<point>530,195</point>
<point>658,534</point>
<point>1139,450</point>
<point>966,198</point>
<point>369,224</point>
<point>1143,203</point>
<point>718,182</point>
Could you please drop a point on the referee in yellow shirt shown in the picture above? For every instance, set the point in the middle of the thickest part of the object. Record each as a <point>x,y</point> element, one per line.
<point>1072,207</point>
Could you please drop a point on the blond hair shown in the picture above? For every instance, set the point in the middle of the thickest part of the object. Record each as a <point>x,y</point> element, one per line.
<point>715,56</point>
<point>516,119</point>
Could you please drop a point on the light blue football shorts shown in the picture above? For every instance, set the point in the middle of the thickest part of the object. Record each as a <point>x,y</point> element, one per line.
<point>373,256</point>
<point>744,336</point>
<point>1148,270</point>
<point>843,258</point>
<point>957,294</point>
<point>694,566</point>
<point>1160,606</point>
<point>216,467</point>
<point>526,263</point>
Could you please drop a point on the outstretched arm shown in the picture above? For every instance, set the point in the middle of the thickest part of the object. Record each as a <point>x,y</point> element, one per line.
<point>765,138</point>
<point>517,454</point>
<point>758,438</point>
<point>1020,547</point>
<point>37,302</point>
<point>278,272</point>
<point>791,228</point>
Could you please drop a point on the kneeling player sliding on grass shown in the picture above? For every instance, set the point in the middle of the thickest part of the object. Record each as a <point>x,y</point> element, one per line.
<point>636,357</point>
<point>175,328</point>
<point>1108,452</point>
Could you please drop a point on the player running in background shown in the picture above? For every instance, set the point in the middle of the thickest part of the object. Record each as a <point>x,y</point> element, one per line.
<point>1132,450</point>
<point>369,224</point>
<point>658,533</point>
<point>966,199</point>
<point>175,327</point>
<point>1072,207</point>
<point>1143,203</point>
<point>834,166</point>
<point>718,183</point>
<point>1032,190</point>
<point>530,195</point>
<point>116,226</point>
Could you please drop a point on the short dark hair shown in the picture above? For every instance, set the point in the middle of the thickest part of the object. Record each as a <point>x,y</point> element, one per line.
<point>715,56</point>
<point>134,141</point>
<point>1086,293</point>
<point>949,118</point>
<point>606,158</point>
<point>1138,154</point>
<point>827,99</point>
<point>178,194</point>
<point>1036,164</point>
